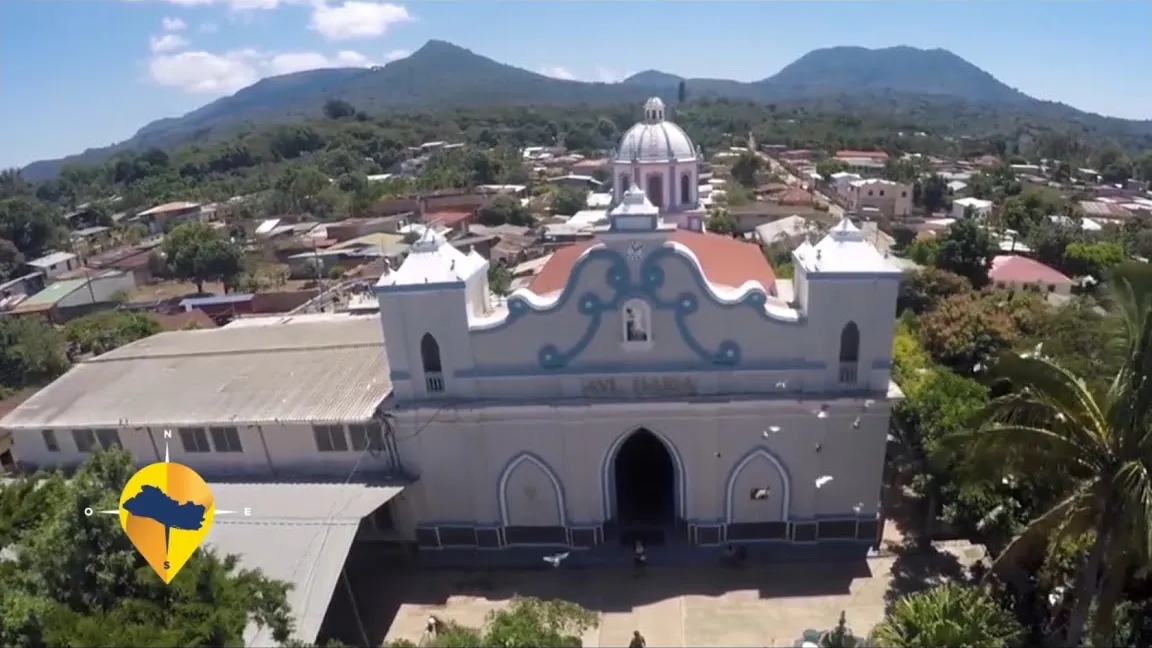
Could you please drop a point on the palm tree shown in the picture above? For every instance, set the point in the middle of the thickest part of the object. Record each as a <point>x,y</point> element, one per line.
<point>949,615</point>
<point>1096,440</point>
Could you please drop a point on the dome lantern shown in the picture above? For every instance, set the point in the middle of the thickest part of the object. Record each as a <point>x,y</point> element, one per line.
<point>654,110</point>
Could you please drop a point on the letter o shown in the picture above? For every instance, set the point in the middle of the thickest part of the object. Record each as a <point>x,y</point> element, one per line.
<point>88,511</point>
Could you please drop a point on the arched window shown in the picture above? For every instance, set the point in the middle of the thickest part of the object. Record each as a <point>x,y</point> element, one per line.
<point>655,183</point>
<point>685,190</point>
<point>430,358</point>
<point>849,352</point>
<point>430,354</point>
<point>625,182</point>
<point>636,318</point>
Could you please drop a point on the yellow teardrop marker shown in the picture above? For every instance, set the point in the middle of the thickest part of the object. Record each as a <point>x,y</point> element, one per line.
<point>167,509</point>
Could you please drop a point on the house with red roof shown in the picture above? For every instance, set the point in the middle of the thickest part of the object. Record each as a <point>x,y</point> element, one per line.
<point>1014,272</point>
<point>656,382</point>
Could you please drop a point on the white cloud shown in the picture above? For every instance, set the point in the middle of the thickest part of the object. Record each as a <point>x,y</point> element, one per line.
<point>558,73</point>
<point>396,55</point>
<point>290,62</point>
<point>204,72</point>
<point>219,74</point>
<point>167,43</point>
<point>173,24</point>
<point>356,18</point>
<point>608,75</point>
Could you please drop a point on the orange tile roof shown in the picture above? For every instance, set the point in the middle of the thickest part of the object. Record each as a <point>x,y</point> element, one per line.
<point>878,155</point>
<point>795,196</point>
<point>447,217</point>
<point>725,261</point>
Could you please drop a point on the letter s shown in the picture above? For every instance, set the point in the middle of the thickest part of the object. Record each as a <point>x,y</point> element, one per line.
<point>167,565</point>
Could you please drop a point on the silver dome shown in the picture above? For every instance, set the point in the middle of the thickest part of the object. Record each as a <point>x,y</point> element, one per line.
<point>655,139</point>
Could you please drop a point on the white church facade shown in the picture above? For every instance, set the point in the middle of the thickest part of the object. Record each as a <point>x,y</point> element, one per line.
<point>652,383</point>
<point>656,382</point>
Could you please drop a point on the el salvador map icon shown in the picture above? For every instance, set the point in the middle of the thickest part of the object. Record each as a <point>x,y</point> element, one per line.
<point>166,509</point>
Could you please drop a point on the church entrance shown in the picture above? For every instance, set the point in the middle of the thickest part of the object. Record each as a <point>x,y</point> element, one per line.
<point>645,488</point>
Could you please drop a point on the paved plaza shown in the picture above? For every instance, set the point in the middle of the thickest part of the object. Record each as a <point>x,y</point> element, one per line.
<point>757,606</point>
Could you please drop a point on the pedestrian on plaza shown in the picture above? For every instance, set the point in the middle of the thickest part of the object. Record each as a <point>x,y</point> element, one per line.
<point>639,559</point>
<point>637,640</point>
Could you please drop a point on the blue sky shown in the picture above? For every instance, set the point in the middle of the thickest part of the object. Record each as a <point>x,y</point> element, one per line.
<point>83,73</point>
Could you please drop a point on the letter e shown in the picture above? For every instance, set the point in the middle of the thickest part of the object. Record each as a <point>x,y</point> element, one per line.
<point>247,512</point>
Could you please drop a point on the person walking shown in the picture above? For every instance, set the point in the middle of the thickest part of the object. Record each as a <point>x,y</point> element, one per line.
<point>637,640</point>
<point>639,559</point>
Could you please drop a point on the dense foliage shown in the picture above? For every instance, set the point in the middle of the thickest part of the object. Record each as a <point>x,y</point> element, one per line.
<point>75,580</point>
<point>525,623</point>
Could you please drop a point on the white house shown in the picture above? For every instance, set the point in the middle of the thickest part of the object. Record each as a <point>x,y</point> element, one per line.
<point>889,198</point>
<point>980,208</point>
<point>842,181</point>
<point>54,264</point>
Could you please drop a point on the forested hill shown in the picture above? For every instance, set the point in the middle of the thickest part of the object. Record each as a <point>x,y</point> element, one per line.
<point>442,75</point>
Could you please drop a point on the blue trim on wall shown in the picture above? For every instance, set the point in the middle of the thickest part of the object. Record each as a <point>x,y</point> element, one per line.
<point>539,462</point>
<point>614,368</point>
<point>552,357</point>
<point>743,462</point>
<point>418,288</point>
<point>608,473</point>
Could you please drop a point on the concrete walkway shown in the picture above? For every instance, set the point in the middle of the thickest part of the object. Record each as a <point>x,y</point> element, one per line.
<point>759,606</point>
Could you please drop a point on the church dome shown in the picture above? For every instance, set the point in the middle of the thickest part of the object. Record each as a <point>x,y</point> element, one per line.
<point>655,139</point>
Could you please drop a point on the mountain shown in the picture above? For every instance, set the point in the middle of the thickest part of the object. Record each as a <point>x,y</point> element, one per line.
<point>442,75</point>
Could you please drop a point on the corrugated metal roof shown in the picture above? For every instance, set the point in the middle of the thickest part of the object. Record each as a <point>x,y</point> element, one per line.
<point>55,292</point>
<point>51,259</point>
<point>299,534</point>
<point>287,371</point>
<point>230,298</point>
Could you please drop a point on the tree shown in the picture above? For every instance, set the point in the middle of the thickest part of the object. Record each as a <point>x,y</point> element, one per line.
<point>567,201</point>
<point>504,209</point>
<point>1028,210</point>
<point>931,193</point>
<point>924,289</point>
<point>839,636</point>
<point>31,354</point>
<point>1092,259</point>
<point>949,615</point>
<point>745,169</point>
<point>967,330</point>
<point>338,109</point>
<point>78,581</point>
<point>1052,424</point>
<point>198,253</point>
<point>681,93</point>
<point>829,166</point>
<point>967,250</point>
<point>101,332</point>
<point>525,623</point>
<point>721,221</point>
<point>1081,339</point>
<point>499,279</point>
<point>29,225</point>
<point>11,260</point>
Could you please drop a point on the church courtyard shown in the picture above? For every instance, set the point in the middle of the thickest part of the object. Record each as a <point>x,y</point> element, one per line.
<point>761,605</point>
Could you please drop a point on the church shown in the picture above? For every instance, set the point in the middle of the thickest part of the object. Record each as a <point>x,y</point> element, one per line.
<point>657,382</point>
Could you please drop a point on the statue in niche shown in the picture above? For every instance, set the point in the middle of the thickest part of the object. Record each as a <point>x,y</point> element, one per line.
<point>635,324</point>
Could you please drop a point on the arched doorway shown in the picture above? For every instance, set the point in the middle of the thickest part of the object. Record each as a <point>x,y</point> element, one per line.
<point>655,184</point>
<point>645,478</point>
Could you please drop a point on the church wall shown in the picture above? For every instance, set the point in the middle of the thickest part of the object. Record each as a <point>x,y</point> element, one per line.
<point>268,450</point>
<point>537,353</point>
<point>485,471</point>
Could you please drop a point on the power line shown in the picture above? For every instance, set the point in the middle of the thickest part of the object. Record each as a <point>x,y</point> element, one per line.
<point>332,513</point>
